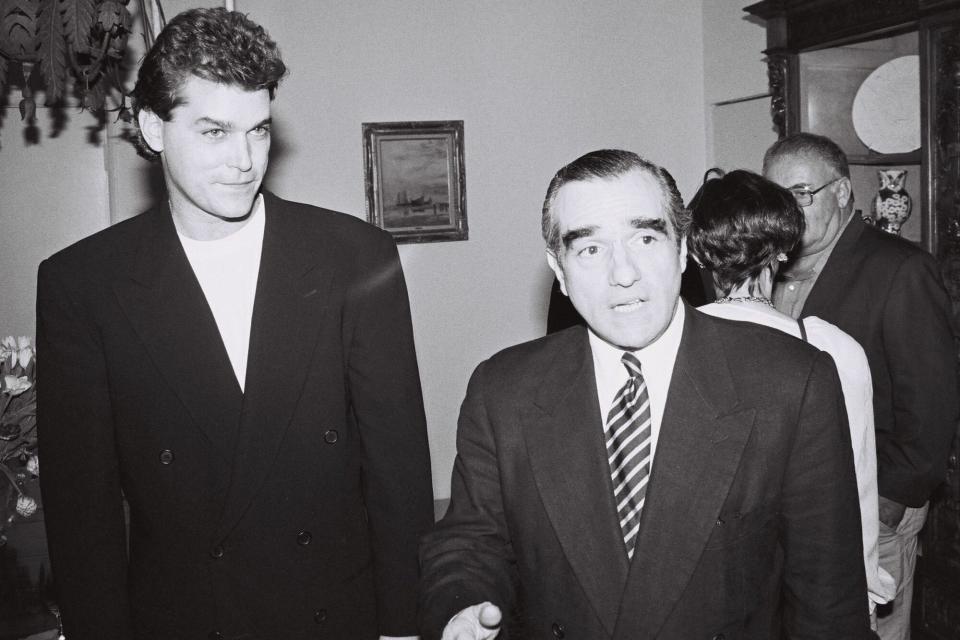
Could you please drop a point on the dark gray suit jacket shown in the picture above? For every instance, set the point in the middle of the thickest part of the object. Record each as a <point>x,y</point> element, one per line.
<point>889,296</point>
<point>751,516</point>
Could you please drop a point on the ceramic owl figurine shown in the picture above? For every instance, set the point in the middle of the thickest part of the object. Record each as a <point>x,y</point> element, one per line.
<point>892,204</point>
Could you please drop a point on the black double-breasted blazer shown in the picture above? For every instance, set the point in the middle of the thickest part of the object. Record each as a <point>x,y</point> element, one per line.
<point>291,510</point>
<point>750,524</point>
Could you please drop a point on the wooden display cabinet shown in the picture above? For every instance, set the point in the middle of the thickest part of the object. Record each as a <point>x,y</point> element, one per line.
<point>818,54</point>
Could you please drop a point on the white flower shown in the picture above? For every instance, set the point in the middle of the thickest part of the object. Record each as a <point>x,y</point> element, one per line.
<point>33,465</point>
<point>25,350</point>
<point>26,506</point>
<point>19,350</point>
<point>16,385</point>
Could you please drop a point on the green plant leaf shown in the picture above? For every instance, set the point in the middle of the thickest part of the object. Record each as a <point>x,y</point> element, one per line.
<point>52,51</point>
<point>78,19</point>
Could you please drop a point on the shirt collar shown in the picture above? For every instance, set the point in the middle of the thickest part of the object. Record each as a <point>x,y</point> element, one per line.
<point>657,357</point>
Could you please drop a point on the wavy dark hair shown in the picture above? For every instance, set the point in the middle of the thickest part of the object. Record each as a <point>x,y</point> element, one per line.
<point>606,164</point>
<point>214,44</point>
<point>739,224</point>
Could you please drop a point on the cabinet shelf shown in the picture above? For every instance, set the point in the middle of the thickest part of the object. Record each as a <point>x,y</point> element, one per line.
<point>886,159</point>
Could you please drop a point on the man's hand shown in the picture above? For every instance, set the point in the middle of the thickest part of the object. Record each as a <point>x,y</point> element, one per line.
<point>891,513</point>
<point>479,622</point>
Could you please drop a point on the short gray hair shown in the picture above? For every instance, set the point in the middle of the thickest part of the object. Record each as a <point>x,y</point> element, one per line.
<point>811,145</point>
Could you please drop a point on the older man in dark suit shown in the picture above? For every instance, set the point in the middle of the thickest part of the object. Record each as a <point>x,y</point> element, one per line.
<point>889,296</point>
<point>241,370</point>
<point>658,474</point>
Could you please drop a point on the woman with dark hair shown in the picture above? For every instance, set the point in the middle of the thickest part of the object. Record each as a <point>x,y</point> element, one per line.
<point>742,228</point>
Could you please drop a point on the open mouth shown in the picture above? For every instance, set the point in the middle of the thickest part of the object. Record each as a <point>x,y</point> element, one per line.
<point>628,306</point>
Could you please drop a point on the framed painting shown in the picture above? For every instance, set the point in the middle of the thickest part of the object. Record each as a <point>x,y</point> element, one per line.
<point>415,182</point>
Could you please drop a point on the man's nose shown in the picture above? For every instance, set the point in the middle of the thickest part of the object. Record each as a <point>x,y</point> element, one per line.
<point>623,268</point>
<point>240,154</point>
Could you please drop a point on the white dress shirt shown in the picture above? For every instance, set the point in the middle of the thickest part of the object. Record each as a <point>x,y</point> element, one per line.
<point>656,364</point>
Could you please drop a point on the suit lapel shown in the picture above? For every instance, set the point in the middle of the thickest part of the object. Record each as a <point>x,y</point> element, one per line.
<point>165,304</point>
<point>702,437</point>
<point>291,299</point>
<point>565,446</point>
<point>838,273</point>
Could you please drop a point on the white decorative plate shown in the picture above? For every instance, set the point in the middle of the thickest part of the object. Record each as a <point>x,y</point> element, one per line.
<point>886,109</point>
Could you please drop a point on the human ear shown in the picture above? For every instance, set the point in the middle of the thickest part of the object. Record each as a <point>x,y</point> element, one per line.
<point>151,128</point>
<point>844,192</point>
<point>557,270</point>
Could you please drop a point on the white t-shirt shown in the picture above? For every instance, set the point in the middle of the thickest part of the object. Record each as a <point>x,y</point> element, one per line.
<point>227,270</point>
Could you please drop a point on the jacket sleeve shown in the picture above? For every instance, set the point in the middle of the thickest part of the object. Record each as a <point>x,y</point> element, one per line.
<point>386,399</point>
<point>921,360</point>
<point>468,558</point>
<point>80,478</point>
<point>824,585</point>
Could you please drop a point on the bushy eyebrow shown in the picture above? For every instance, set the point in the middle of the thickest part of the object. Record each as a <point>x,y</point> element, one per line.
<point>573,235</point>
<point>654,224</point>
<point>211,122</point>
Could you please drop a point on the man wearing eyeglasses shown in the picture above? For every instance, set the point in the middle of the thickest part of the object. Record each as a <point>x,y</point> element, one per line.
<point>887,294</point>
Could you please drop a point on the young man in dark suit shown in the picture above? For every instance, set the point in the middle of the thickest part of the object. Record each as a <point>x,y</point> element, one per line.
<point>657,474</point>
<point>241,370</point>
<point>889,296</point>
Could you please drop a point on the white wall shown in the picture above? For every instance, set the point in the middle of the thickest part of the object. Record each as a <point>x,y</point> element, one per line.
<point>733,44</point>
<point>52,193</point>
<point>738,130</point>
<point>537,83</point>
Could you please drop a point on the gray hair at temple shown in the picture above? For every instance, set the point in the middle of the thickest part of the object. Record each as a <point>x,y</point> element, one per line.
<point>809,145</point>
<point>607,164</point>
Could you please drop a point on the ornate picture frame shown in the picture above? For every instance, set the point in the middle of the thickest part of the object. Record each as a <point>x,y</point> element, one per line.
<point>415,180</point>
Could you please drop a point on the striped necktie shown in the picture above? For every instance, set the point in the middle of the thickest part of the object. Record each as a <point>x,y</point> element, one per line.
<point>628,432</point>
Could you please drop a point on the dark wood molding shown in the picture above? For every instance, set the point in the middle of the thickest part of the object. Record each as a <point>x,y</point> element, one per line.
<point>813,23</point>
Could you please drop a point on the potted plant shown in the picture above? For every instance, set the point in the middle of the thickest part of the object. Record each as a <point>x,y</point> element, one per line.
<point>19,465</point>
<point>69,48</point>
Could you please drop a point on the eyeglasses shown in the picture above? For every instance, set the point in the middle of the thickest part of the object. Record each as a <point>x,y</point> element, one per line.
<point>804,196</point>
